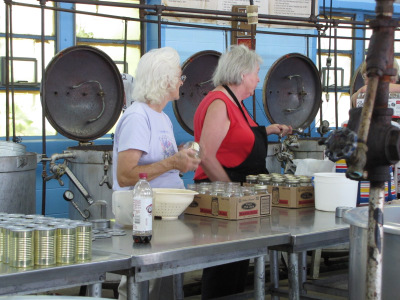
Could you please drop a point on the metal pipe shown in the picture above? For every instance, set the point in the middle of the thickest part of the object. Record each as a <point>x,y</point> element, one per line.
<point>259,277</point>
<point>335,68</point>
<point>359,157</point>
<point>7,11</point>
<point>207,26</point>
<point>125,43</point>
<point>159,10</point>
<point>375,240</point>
<point>274,273</point>
<point>43,4</point>
<point>12,78</point>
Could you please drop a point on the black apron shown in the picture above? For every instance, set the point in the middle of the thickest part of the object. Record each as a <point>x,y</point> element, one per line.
<point>255,163</point>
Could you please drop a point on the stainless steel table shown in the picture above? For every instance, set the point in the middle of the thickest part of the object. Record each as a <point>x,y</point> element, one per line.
<point>193,243</point>
<point>39,279</point>
<point>310,229</point>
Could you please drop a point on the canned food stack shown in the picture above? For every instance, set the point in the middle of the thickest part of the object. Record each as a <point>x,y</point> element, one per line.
<point>28,240</point>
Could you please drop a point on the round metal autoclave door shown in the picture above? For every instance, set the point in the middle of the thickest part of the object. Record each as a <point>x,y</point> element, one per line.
<point>198,70</point>
<point>83,93</point>
<point>357,81</point>
<point>292,91</point>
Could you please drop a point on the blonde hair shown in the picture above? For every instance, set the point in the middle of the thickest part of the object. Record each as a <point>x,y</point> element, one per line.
<point>363,69</point>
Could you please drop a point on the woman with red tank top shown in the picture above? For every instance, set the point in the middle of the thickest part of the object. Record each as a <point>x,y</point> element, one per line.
<point>232,146</point>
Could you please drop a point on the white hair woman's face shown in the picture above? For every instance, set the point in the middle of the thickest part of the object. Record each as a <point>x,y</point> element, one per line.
<point>251,80</point>
<point>175,92</point>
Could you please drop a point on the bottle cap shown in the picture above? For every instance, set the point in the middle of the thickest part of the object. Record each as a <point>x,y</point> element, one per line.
<point>142,175</point>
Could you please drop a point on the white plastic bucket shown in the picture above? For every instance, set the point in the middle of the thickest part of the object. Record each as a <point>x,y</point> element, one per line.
<point>333,190</point>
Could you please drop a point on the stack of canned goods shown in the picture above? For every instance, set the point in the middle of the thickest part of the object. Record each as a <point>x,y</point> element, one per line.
<point>223,189</point>
<point>28,240</point>
<point>276,179</point>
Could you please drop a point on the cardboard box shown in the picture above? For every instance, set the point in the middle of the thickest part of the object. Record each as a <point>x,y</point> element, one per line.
<point>230,208</point>
<point>292,197</point>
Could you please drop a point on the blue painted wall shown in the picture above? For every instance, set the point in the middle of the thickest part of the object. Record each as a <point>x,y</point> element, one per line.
<point>187,41</point>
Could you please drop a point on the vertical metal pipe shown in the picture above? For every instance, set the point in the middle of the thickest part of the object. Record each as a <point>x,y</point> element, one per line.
<point>335,67</point>
<point>132,288</point>
<point>94,290</point>
<point>7,12</point>
<point>320,75</point>
<point>274,272</point>
<point>125,43</point>
<point>159,26</point>
<point>302,271</point>
<point>12,77</point>
<point>142,29</point>
<point>178,286</point>
<point>375,240</point>
<point>43,87</point>
<point>259,277</point>
<point>293,276</point>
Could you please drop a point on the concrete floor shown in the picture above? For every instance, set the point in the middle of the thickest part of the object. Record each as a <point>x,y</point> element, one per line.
<point>333,278</point>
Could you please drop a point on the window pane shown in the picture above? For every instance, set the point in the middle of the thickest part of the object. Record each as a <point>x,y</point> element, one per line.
<point>28,20</point>
<point>328,109</point>
<point>117,55</point>
<point>107,28</point>
<point>342,44</point>
<point>28,115</point>
<point>344,62</point>
<point>30,48</point>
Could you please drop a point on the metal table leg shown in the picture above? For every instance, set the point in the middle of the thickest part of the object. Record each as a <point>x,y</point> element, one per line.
<point>178,286</point>
<point>259,277</point>
<point>135,290</point>
<point>94,290</point>
<point>302,271</point>
<point>293,276</point>
<point>274,272</point>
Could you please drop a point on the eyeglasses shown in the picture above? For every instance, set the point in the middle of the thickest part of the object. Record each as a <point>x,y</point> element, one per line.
<point>183,78</point>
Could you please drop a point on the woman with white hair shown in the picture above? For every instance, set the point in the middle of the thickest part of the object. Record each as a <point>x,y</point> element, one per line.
<point>144,141</point>
<point>232,146</point>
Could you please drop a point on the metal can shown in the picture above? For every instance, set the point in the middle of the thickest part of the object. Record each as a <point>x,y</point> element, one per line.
<point>21,247</point>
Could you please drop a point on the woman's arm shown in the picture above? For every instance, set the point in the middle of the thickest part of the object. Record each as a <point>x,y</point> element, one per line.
<point>215,127</point>
<point>128,169</point>
<point>278,129</point>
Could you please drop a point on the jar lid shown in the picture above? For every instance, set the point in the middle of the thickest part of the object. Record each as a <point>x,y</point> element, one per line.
<point>278,179</point>
<point>260,187</point>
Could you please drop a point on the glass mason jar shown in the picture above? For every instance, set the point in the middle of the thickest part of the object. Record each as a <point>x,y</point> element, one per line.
<point>305,181</point>
<point>277,181</point>
<point>292,182</point>
<point>204,188</point>
<point>252,179</point>
<point>264,180</point>
<point>260,189</point>
<point>248,190</point>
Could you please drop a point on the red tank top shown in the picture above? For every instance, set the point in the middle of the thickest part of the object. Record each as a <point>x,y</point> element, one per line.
<point>239,140</point>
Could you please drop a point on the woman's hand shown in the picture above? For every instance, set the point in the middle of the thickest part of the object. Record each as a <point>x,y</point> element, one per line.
<point>280,129</point>
<point>186,160</point>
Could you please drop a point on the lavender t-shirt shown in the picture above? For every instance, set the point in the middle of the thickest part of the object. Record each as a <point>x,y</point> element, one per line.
<point>145,129</point>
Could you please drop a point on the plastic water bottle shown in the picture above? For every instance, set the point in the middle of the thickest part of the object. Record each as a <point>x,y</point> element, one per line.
<point>142,208</point>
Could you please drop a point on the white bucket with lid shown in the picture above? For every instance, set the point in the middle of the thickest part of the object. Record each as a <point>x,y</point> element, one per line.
<point>333,190</point>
